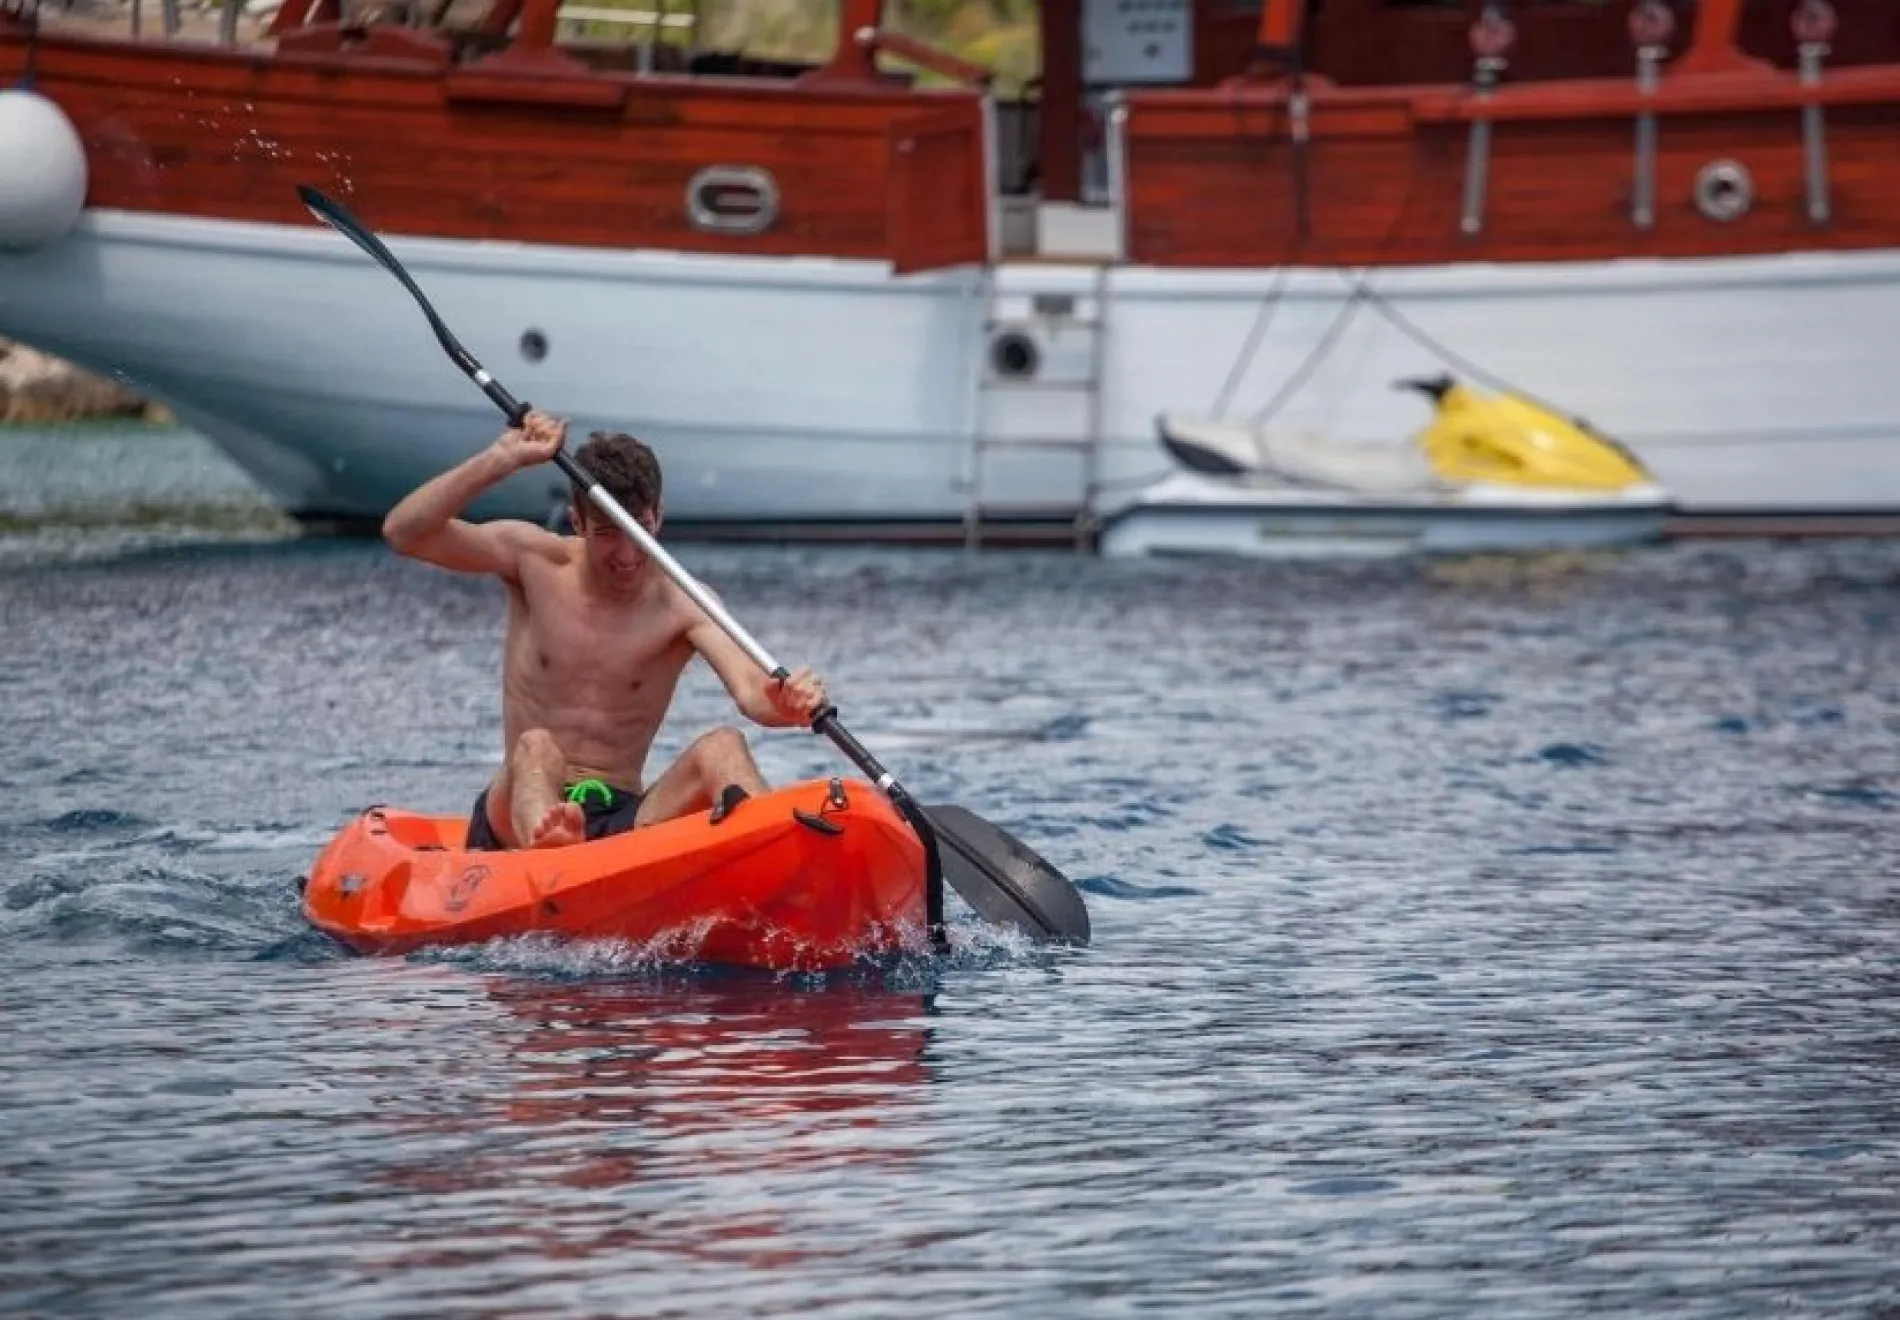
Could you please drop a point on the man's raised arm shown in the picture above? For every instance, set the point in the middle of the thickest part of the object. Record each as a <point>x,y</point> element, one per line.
<point>427,524</point>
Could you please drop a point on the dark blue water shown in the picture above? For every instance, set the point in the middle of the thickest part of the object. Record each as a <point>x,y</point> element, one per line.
<point>1505,938</point>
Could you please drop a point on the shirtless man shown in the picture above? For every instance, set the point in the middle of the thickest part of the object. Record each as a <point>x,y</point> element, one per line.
<point>597,637</point>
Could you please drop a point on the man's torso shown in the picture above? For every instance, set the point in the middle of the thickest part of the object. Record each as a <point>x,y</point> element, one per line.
<point>598,674</point>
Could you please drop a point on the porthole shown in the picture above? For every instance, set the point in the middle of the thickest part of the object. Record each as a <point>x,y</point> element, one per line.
<point>732,199</point>
<point>1724,191</point>
<point>1014,355</point>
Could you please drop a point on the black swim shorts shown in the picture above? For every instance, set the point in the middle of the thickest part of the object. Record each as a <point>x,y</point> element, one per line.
<point>609,810</point>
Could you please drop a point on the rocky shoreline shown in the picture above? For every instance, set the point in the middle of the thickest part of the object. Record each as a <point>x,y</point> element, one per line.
<point>37,387</point>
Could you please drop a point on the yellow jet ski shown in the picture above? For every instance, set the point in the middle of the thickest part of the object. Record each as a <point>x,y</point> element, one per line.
<point>1487,472</point>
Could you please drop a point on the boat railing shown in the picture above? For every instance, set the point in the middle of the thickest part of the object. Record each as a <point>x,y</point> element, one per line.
<point>223,22</point>
<point>648,37</point>
<point>216,20</point>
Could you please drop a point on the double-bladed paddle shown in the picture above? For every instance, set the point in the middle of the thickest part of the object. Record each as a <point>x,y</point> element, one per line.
<point>997,874</point>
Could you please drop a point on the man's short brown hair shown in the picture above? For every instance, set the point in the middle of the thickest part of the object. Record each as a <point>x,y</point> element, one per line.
<point>625,468</point>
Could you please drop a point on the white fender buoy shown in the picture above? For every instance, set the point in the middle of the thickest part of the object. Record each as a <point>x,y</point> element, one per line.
<point>44,165</point>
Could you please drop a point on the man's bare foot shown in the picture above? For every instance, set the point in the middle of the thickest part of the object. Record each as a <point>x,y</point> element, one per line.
<point>564,824</point>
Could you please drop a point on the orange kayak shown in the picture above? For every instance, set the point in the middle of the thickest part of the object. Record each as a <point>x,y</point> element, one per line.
<point>813,875</point>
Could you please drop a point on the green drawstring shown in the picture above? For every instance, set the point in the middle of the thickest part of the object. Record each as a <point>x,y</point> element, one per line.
<point>579,792</point>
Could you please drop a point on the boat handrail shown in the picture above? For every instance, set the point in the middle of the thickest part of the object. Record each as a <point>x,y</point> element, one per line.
<point>272,17</point>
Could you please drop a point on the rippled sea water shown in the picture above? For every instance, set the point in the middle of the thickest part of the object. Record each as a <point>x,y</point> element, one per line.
<point>1505,938</point>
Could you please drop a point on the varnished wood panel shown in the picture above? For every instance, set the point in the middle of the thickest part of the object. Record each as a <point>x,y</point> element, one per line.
<point>1373,43</point>
<point>1214,180</point>
<point>1369,43</point>
<point>1868,33</point>
<point>938,202</point>
<point>420,148</point>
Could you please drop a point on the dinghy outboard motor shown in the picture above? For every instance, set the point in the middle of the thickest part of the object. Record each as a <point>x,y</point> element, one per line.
<point>1506,440</point>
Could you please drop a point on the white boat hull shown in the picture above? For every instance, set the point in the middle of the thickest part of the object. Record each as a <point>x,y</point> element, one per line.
<point>773,390</point>
<point>1195,515</point>
<point>805,396</point>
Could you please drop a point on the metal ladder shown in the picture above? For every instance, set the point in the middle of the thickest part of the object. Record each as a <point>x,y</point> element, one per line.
<point>1051,318</point>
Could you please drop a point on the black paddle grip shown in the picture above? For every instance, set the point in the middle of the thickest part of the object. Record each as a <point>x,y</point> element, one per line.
<point>826,722</point>
<point>515,410</point>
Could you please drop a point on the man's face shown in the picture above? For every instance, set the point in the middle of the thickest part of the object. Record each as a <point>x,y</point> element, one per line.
<point>611,553</point>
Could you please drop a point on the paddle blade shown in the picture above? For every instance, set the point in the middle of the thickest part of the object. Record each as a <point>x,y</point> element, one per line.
<point>1005,880</point>
<point>334,214</point>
